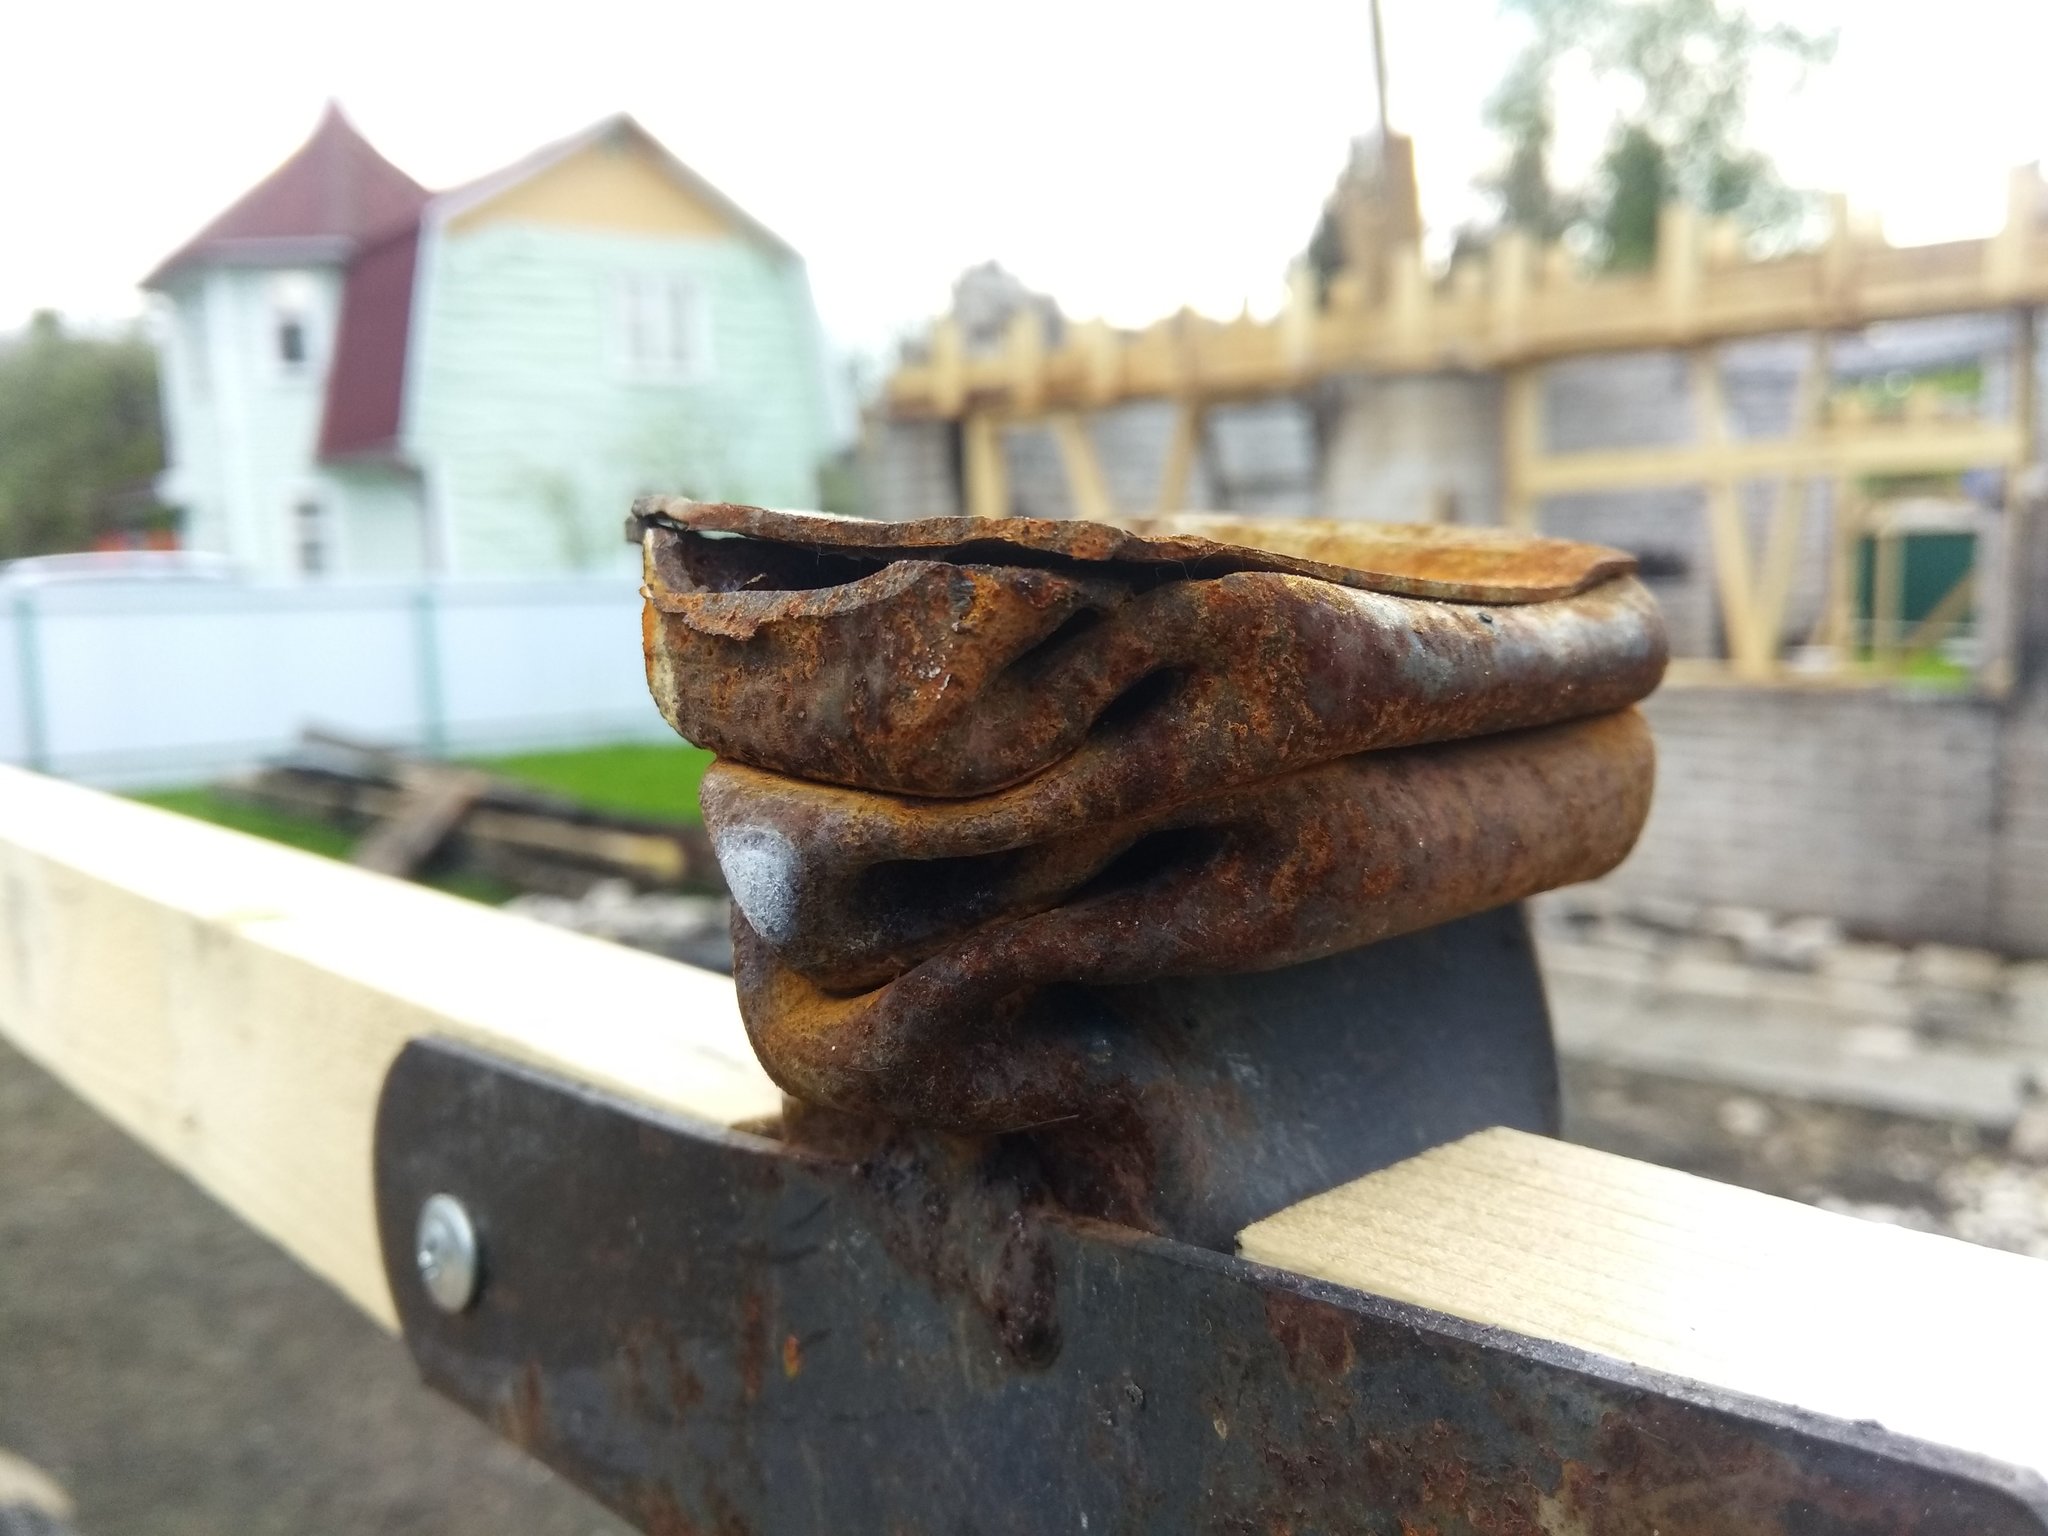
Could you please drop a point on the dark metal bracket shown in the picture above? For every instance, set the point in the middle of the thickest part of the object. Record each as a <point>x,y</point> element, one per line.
<point>717,1332</point>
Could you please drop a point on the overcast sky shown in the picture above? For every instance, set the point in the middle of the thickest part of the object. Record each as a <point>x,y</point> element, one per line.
<point>1126,157</point>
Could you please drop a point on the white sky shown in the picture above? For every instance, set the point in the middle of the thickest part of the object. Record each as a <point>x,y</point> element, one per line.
<point>1126,157</point>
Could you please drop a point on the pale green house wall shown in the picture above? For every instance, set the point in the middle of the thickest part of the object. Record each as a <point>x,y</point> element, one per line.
<point>534,437</point>
<point>243,429</point>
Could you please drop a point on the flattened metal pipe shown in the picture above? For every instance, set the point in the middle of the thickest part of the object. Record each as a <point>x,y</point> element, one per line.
<point>1110,687</point>
<point>1318,861</point>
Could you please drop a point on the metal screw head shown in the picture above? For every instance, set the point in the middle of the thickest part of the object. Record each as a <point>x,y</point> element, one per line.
<point>445,1248</point>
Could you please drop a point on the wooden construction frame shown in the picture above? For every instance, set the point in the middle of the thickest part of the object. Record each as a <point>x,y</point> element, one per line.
<point>1524,309</point>
<point>235,1005</point>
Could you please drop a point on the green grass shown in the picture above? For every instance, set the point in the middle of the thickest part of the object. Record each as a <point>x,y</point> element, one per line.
<point>297,831</point>
<point>636,779</point>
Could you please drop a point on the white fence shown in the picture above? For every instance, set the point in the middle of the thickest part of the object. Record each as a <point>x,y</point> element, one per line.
<point>161,684</point>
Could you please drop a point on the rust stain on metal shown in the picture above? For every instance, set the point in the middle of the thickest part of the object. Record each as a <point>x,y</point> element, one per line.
<point>1420,559</point>
<point>964,762</point>
<point>832,890</point>
<point>1131,683</point>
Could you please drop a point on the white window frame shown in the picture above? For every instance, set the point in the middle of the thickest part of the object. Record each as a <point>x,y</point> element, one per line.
<point>661,327</point>
<point>312,514</point>
<point>292,298</point>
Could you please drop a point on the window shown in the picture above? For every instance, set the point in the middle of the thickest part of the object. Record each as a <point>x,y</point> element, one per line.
<point>292,310</point>
<point>662,333</point>
<point>309,527</point>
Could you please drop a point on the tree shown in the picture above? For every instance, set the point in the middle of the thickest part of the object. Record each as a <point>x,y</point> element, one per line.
<point>1682,71</point>
<point>79,424</point>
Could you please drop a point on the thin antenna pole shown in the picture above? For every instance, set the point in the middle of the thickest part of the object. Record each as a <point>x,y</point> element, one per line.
<point>1379,66</point>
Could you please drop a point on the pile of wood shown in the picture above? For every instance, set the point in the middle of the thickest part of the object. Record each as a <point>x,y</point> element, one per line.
<point>417,815</point>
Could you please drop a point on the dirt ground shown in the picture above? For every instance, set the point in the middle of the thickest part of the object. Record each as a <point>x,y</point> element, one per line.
<point>178,1375</point>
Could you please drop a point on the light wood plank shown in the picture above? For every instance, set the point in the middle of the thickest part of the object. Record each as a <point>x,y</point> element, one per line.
<point>1085,481</point>
<point>1181,449</point>
<point>988,474</point>
<point>1926,1335</point>
<point>234,1005</point>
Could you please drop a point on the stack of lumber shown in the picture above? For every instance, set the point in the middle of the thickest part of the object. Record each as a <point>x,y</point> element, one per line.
<point>417,814</point>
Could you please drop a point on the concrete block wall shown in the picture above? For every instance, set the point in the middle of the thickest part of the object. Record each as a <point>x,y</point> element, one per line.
<point>1873,807</point>
<point>1906,816</point>
<point>909,469</point>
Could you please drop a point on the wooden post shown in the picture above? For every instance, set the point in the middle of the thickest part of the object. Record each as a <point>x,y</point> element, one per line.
<point>1085,482</point>
<point>1887,594</point>
<point>1103,360</point>
<point>1522,444</point>
<point>1727,529</point>
<point>1298,321</point>
<point>988,487</point>
<point>1996,672</point>
<point>1788,510</point>
<point>1838,256</point>
<point>2005,253</point>
<point>1180,456</point>
<point>1508,268</point>
<point>949,368</point>
<point>1679,268</point>
<point>1024,344</point>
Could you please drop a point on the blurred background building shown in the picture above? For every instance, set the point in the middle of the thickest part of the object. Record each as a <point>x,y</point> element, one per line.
<point>362,378</point>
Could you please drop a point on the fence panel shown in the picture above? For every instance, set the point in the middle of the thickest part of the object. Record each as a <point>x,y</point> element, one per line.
<point>138,685</point>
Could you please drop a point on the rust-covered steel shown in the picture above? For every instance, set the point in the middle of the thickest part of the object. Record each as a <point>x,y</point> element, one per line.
<point>1139,677</point>
<point>963,762</point>
<point>880,974</point>
<point>717,1333</point>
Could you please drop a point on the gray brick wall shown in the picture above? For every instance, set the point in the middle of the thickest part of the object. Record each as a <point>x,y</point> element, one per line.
<point>1906,816</point>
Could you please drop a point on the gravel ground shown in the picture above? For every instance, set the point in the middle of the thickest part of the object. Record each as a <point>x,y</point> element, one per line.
<point>178,1375</point>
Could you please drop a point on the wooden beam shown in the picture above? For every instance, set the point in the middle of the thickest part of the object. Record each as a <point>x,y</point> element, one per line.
<point>1863,449</point>
<point>1181,449</point>
<point>234,1005</point>
<point>988,476</point>
<point>1522,452</point>
<point>1928,1336</point>
<point>1085,481</point>
<point>1727,528</point>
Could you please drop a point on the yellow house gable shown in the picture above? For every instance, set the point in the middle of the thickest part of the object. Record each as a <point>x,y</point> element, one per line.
<point>617,184</point>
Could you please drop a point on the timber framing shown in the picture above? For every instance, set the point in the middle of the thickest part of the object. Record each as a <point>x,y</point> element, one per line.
<point>1523,306</point>
<point>1522,309</point>
<point>236,1006</point>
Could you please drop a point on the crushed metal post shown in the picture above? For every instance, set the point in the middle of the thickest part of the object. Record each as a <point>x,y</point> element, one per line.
<point>963,762</point>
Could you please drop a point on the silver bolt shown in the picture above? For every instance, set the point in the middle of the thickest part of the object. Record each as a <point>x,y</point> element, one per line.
<point>445,1249</point>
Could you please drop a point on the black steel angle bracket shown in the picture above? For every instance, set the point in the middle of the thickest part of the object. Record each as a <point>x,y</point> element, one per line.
<point>713,1332</point>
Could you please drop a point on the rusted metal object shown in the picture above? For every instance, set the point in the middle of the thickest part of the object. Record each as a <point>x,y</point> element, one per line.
<point>1138,671</point>
<point>964,762</point>
<point>713,1332</point>
<point>889,953</point>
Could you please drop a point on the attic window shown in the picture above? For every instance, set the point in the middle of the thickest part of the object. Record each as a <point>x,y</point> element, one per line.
<point>291,323</point>
<point>663,335</point>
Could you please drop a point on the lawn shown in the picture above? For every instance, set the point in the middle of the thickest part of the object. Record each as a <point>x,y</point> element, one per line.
<point>636,779</point>
<point>651,779</point>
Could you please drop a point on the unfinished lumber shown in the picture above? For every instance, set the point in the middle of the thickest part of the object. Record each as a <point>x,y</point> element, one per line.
<point>234,1005</point>
<point>432,803</point>
<point>1926,1335</point>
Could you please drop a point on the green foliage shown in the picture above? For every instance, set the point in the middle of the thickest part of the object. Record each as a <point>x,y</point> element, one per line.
<point>78,423</point>
<point>1683,71</point>
<point>654,779</point>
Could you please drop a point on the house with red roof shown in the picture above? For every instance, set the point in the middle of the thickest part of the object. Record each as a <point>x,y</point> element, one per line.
<point>362,378</point>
